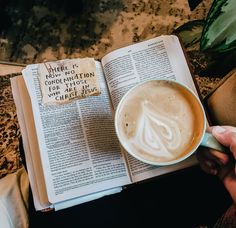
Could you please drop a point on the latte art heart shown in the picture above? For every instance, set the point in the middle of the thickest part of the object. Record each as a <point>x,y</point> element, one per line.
<point>156,134</point>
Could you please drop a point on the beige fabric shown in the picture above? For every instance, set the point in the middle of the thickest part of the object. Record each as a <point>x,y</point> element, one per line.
<point>14,191</point>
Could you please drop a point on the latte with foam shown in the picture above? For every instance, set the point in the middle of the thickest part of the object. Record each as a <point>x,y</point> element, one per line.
<point>159,121</point>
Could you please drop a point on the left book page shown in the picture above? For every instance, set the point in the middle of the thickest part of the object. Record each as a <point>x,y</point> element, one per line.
<point>79,151</point>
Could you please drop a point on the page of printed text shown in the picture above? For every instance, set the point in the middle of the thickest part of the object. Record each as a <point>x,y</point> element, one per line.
<point>157,58</point>
<point>77,142</point>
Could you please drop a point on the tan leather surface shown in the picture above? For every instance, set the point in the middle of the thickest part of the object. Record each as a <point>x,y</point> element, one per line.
<point>222,101</point>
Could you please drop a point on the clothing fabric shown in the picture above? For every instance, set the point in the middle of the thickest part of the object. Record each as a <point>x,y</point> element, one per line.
<point>14,193</point>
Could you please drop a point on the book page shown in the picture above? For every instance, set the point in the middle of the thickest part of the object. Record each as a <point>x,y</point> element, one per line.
<point>31,150</point>
<point>78,147</point>
<point>158,58</point>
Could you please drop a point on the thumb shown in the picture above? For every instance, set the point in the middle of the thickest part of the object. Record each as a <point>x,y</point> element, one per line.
<point>225,136</point>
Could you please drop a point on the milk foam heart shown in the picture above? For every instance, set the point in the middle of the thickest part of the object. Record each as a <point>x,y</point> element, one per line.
<point>156,134</point>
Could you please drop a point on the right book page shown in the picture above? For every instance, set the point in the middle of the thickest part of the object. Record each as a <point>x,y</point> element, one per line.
<point>158,58</point>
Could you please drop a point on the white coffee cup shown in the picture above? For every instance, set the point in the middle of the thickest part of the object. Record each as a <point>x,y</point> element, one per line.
<point>162,122</point>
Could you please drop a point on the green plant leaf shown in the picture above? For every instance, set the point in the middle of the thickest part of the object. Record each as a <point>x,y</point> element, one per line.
<point>219,33</point>
<point>190,33</point>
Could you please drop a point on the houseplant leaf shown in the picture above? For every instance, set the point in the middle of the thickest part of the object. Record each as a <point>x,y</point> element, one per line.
<point>219,32</point>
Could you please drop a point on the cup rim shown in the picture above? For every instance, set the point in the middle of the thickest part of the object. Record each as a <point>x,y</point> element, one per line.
<point>124,145</point>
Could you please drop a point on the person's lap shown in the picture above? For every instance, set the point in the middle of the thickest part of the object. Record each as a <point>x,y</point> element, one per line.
<point>187,198</point>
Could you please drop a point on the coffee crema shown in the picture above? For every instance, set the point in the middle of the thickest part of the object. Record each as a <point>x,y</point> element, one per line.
<point>160,121</point>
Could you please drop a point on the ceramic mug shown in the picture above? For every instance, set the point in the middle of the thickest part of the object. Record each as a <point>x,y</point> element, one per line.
<point>162,122</point>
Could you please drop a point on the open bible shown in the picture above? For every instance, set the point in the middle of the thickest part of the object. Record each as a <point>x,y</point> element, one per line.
<point>72,152</point>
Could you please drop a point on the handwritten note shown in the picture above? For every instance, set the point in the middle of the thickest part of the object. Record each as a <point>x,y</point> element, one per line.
<point>66,80</point>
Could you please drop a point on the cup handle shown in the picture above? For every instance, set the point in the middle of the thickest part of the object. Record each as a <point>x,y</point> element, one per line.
<point>210,141</point>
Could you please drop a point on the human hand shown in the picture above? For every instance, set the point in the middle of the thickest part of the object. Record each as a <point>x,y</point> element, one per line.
<point>218,163</point>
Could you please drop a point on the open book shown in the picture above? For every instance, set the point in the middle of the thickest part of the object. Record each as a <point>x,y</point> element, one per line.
<point>72,152</point>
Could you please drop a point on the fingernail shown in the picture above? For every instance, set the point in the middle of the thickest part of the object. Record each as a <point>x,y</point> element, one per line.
<point>218,130</point>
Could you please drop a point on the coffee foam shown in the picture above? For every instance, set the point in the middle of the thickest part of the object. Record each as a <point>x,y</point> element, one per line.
<point>157,121</point>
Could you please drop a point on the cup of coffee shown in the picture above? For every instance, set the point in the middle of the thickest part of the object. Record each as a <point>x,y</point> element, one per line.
<point>162,122</point>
